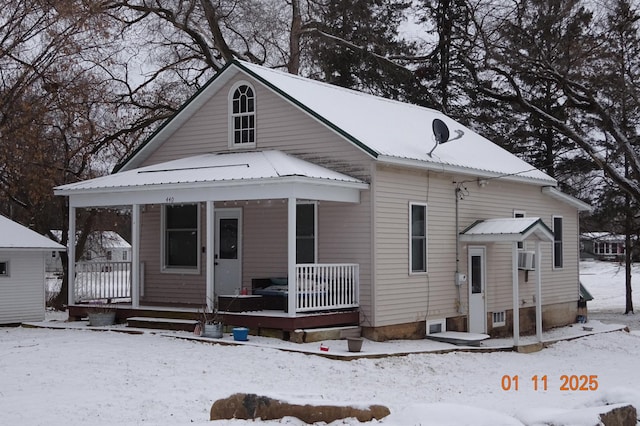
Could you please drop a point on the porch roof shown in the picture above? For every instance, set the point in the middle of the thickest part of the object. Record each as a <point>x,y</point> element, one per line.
<point>507,230</point>
<point>250,175</point>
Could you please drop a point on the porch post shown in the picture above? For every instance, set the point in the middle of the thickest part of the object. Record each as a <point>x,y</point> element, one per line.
<point>291,251</point>
<point>210,249</point>
<point>135,256</point>
<point>538,293</point>
<point>71,254</point>
<point>516,295</point>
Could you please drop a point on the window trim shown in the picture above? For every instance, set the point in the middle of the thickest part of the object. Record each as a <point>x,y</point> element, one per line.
<point>231,116</point>
<point>519,214</point>
<point>7,268</point>
<point>163,243</point>
<point>553,251</point>
<point>315,230</point>
<point>426,239</point>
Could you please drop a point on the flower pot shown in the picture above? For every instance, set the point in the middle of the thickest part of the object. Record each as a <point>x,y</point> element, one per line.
<point>241,334</point>
<point>354,344</point>
<point>101,319</point>
<point>212,330</point>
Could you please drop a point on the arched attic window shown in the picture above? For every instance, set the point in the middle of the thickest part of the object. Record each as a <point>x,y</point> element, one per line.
<point>242,113</point>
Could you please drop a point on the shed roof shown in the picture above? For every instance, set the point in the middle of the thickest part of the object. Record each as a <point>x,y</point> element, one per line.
<point>387,130</point>
<point>18,237</point>
<point>507,229</point>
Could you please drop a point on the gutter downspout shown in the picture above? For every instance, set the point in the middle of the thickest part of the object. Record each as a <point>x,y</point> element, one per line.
<point>457,278</point>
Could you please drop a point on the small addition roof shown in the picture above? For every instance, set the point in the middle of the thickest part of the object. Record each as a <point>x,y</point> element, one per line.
<point>17,237</point>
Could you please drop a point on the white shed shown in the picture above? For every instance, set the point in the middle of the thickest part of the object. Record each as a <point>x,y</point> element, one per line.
<point>22,272</point>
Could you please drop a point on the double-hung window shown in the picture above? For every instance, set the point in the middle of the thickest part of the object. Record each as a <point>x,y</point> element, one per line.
<point>243,117</point>
<point>418,237</point>
<point>181,238</point>
<point>557,242</point>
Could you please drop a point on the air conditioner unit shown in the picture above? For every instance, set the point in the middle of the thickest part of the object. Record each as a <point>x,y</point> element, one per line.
<point>527,260</point>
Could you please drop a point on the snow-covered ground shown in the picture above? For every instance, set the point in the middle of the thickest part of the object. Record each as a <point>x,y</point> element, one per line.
<point>82,377</point>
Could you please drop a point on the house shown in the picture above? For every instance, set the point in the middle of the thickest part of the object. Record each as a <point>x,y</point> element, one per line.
<point>101,246</point>
<point>22,272</point>
<point>332,207</point>
<point>602,246</point>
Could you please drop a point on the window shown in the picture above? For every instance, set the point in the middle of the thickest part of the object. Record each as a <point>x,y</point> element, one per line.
<point>4,268</point>
<point>436,326</point>
<point>109,255</point>
<point>124,255</point>
<point>306,233</point>
<point>557,242</point>
<point>499,318</point>
<point>418,237</point>
<point>243,117</point>
<point>181,238</point>
<point>517,214</point>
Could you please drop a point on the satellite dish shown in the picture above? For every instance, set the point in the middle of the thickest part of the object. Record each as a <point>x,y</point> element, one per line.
<point>440,131</point>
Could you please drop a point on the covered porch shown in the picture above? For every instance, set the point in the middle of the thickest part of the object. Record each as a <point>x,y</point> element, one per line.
<point>235,198</point>
<point>516,231</point>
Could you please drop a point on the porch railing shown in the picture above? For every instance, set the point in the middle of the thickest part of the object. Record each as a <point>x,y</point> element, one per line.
<point>102,281</point>
<point>327,286</point>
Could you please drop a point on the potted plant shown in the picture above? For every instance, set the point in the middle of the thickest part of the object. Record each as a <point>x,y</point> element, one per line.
<point>210,324</point>
<point>101,315</point>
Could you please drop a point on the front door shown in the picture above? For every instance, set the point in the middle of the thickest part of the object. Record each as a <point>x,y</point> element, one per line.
<point>477,288</point>
<point>228,251</point>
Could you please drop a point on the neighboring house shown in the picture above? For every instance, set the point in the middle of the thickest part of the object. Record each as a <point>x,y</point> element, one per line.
<point>342,206</point>
<point>22,272</point>
<point>101,246</point>
<point>602,246</point>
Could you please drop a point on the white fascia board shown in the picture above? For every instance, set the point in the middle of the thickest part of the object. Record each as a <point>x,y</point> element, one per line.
<point>491,238</point>
<point>448,168</point>
<point>566,198</point>
<point>298,187</point>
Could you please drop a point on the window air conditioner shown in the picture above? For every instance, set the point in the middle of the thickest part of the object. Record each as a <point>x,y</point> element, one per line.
<point>527,260</point>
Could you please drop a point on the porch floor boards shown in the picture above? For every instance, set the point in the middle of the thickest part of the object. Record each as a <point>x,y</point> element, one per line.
<point>254,320</point>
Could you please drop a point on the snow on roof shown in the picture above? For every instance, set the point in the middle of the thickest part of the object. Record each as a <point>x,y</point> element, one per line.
<point>220,167</point>
<point>387,130</point>
<point>507,229</point>
<point>15,236</point>
<point>395,130</point>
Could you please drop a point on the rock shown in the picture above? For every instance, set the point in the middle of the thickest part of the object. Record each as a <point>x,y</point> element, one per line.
<point>620,416</point>
<point>251,406</point>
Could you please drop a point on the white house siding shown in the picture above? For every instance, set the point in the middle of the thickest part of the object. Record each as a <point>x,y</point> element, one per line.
<point>401,297</point>
<point>22,292</point>
<point>163,287</point>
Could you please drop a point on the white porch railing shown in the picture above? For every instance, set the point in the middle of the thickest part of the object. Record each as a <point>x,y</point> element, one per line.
<point>102,281</point>
<point>327,286</point>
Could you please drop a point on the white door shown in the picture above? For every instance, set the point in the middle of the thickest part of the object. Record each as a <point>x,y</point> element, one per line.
<point>477,288</point>
<point>228,251</point>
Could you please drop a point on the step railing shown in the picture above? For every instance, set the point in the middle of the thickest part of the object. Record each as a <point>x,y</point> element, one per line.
<point>327,286</point>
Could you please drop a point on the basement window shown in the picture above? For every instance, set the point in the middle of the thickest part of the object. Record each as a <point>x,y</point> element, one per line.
<point>436,326</point>
<point>499,319</point>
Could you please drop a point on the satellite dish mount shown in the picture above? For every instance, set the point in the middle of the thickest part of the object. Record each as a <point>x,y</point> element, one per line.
<point>441,133</point>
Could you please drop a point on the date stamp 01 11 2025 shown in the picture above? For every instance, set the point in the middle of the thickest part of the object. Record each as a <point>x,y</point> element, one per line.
<point>570,383</point>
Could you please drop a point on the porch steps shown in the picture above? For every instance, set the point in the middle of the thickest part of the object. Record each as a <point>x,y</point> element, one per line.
<point>319,334</point>
<point>162,323</point>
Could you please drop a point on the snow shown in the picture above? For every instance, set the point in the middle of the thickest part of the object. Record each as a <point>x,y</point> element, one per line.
<point>15,236</point>
<point>78,376</point>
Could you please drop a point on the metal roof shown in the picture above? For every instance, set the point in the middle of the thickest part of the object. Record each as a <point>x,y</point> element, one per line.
<point>507,229</point>
<point>15,236</point>
<point>210,168</point>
